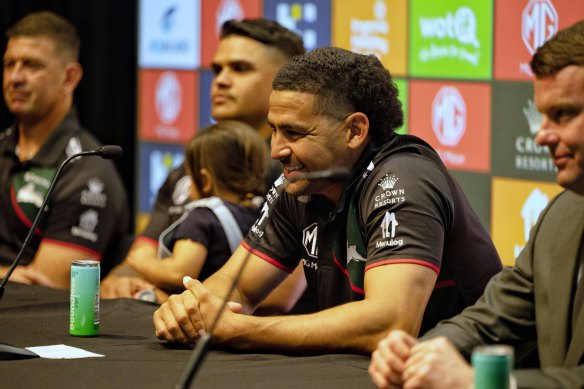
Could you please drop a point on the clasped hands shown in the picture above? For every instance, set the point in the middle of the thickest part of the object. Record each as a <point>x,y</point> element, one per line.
<point>400,361</point>
<point>186,316</point>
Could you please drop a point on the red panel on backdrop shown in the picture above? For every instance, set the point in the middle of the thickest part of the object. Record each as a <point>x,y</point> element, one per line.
<point>214,13</point>
<point>168,105</point>
<point>455,118</point>
<point>522,26</point>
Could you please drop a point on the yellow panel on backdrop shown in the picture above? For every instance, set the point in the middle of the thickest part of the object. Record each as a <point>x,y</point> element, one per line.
<point>515,209</point>
<point>373,26</point>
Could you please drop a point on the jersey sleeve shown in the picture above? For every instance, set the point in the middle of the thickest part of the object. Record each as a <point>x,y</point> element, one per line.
<point>406,209</point>
<point>89,208</point>
<point>275,235</point>
<point>196,227</point>
<point>168,207</point>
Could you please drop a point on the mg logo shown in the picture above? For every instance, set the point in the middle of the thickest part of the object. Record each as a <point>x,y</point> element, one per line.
<point>227,10</point>
<point>539,23</point>
<point>449,116</point>
<point>168,97</point>
<point>309,239</point>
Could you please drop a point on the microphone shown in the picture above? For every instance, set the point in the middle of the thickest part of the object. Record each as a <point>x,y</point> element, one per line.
<point>106,152</point>
<point>8,352</point>
<point>200,351</point>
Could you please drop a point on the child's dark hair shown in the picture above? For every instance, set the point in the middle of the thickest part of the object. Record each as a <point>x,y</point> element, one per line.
<point>234,154</point>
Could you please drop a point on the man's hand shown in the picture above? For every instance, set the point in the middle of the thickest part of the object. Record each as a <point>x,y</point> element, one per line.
<point>437,364</point>
<point>28,275</point>
<point>388,361</point>
<point>182,318</point>
<point>115,286</point>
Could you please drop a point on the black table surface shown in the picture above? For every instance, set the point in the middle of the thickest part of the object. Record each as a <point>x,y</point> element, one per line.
<point>135,358</point>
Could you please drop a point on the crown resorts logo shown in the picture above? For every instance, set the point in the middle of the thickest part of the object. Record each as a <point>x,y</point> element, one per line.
<point>388,182</point>
<point>529,156</point>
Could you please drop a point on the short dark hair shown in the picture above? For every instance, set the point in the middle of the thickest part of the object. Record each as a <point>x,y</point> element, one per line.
<point>345,82</point>
<point>268,32</point>
<point>235,155</point>
<point>55,27</point>
<point>564,49</point>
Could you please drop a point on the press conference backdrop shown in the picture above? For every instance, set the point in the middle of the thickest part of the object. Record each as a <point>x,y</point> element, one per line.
<point>462,68</point>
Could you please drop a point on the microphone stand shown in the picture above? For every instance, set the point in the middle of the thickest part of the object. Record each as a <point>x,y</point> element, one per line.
<point>200,352</point>
<point>12,352</point>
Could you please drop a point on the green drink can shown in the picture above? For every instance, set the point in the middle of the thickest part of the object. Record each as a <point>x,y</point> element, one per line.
<point>492,366</point>
<point>84,308</point>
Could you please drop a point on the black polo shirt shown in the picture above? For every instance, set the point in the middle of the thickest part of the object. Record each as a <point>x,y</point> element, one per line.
<point>401,206</point>
<point>88,209</point>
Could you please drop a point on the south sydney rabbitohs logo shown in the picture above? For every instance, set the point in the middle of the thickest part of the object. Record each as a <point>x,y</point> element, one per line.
<point>539,22</point>
<point>390,194</point>
<point>449,122</point>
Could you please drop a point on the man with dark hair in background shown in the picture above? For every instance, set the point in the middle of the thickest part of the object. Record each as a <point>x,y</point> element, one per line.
<point>249,54</point>
<point>540,299</point>
<point>88,210</point>
<point>396,246</point>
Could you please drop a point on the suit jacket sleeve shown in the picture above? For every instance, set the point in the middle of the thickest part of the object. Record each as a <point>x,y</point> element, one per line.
<point>505,314</point>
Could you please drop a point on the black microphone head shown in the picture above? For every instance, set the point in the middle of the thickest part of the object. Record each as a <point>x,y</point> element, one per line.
<point>110,152</point>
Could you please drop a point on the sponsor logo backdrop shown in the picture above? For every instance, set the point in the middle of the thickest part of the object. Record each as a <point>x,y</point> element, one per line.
<point>461,67</point>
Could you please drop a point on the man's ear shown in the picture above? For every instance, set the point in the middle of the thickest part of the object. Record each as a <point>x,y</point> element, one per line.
<point>357,130</point>
<point>73,74</point>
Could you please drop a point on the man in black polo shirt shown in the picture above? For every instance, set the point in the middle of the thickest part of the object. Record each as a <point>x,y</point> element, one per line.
<point>395,246</point>
<point>88,209</point>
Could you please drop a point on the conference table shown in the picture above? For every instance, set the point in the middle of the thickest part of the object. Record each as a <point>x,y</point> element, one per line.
<point>135,358</point>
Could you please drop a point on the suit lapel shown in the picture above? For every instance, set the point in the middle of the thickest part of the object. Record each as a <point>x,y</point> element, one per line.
<point>556,253</point>
<point>576,347</point>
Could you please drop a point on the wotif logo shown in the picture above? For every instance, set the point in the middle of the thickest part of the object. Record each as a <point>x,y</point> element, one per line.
<point>461,26</point>
<point>539,23</point>
<point>449,116</point>
<point>310,238</point>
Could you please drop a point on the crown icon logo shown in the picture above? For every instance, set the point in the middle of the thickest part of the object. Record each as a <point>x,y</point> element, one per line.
<point>388,182</point>
<point>533,117</point>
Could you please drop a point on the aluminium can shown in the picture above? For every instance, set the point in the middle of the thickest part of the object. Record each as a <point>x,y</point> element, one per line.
<point>493,365</point>
<point>84,308</point>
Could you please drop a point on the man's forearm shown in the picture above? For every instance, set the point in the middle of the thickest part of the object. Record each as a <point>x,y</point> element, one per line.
<point>354,327</point>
